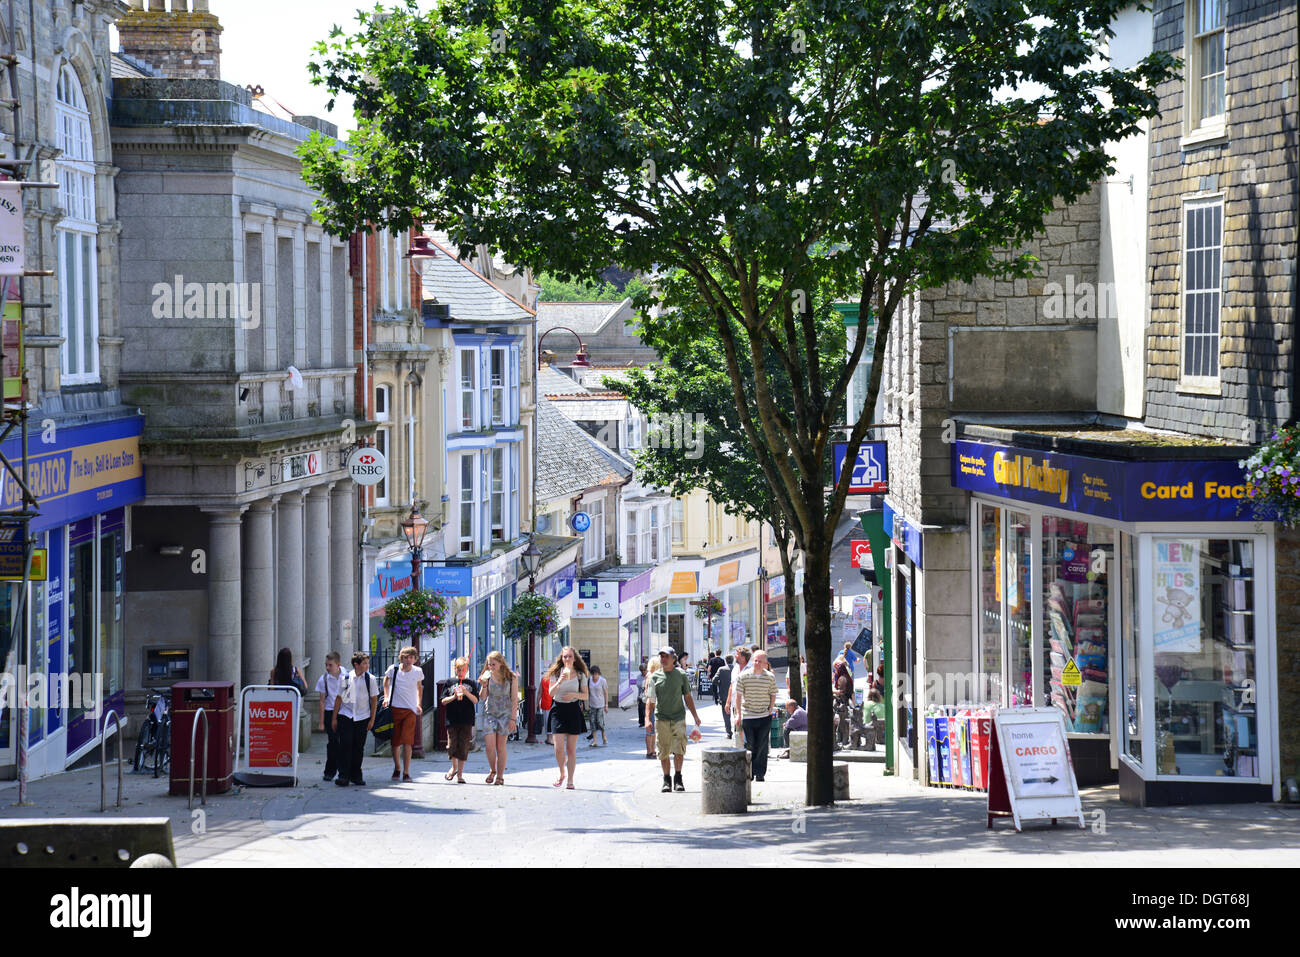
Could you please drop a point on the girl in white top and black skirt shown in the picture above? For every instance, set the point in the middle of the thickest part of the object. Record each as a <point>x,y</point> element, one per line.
<point>568,680</point>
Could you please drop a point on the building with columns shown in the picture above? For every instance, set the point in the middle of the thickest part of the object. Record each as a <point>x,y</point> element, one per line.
<point>239,347</point>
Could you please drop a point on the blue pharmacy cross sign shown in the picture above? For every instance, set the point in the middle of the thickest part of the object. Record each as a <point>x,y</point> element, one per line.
<point>588,588</point>
<point>581,521</point>
<point>870,471</point>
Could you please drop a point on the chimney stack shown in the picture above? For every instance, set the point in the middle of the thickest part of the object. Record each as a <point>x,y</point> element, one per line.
<point>178,43</point>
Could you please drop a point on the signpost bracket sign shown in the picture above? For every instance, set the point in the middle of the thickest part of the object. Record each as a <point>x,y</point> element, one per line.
<point>271,713</point>
<point>1030,769</point>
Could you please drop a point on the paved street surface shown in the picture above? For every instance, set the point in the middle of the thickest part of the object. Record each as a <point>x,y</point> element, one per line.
<point>618,815</point>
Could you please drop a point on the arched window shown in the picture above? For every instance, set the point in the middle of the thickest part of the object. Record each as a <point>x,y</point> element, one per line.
<point>77,233</point>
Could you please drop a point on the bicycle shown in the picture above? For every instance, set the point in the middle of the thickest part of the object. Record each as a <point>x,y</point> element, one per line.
<point>153,746</point>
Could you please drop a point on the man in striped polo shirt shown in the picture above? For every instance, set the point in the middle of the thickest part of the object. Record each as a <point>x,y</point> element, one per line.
<point>756,695</point>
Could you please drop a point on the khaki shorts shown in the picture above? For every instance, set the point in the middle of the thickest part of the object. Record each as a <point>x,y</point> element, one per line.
<point>403,727</point>
<point>670,736</point>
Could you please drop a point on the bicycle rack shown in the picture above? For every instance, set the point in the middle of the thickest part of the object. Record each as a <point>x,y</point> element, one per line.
<point>194,730</point>
<point>103,743</point>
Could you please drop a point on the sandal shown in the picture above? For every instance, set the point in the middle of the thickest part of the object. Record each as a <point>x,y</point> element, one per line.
<point>450,775</point>
<point>501,779</point>
<point>491,778</point>
<point>569,786</point>
<point>559,783</point>
<point>460,780</point>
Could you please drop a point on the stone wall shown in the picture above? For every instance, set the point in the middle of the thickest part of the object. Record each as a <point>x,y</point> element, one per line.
<point>1253,167</point>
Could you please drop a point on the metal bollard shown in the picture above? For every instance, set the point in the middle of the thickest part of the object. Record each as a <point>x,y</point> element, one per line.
<point>118,724</point>
<point>194,729</point>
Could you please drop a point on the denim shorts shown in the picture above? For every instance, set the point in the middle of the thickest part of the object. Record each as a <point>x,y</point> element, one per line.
<point>496,724</point>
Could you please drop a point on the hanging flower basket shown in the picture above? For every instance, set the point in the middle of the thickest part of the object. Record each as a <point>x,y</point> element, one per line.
<point>711,608</point>
<point>414,613</point>
<point>1273,478</point>
<point>530,612</point>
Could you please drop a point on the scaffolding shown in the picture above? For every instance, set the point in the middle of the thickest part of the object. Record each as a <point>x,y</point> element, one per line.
<point>15,420</point>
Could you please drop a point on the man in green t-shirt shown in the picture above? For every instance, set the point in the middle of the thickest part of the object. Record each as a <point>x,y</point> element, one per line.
<point>670,690</point>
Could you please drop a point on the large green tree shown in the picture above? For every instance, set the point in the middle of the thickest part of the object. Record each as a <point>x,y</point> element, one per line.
<point>696,439</point>
<point>766,149</point>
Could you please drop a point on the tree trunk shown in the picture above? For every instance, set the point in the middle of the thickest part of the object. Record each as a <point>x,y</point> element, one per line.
<point>817,640</point>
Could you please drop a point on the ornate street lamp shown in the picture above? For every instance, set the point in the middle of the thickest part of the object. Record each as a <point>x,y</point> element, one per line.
<point>531,559</point>
<point>580,360</point>
<point>413,527</point>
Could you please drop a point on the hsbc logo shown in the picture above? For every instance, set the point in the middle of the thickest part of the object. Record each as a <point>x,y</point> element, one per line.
<point>367,466</point>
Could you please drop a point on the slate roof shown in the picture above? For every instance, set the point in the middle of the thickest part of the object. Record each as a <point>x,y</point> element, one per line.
<point>568,460</point>
<point>468,295</point>
<point>584,318</point>
<point>551,381</point>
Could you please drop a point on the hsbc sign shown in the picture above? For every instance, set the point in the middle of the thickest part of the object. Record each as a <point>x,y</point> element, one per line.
<point>367,466</point>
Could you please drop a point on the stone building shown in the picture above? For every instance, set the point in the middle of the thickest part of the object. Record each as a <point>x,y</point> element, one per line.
<point>84,439</point>
<point>1066,503</point>
<point>239,348</point>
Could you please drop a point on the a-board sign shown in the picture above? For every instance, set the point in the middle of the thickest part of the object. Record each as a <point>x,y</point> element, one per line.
<point>1030,770</point>
<point>266,753</point>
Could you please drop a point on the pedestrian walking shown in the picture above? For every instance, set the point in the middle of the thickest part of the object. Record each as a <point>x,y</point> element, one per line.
<point>671,690</point>
<point>459,704</point>
<point>570,683</point>
<point>499,688</point>
<point>722,691</point>
<point>756,694</point>
<point>651,668</point>
<point>597,705</point>
<point>286,672</point>
<point>404,693</point>
<point>640,697</point>
<point>732,707</point>
<point>329,685</point>
<point>354,713</point>
<point>716,664</point>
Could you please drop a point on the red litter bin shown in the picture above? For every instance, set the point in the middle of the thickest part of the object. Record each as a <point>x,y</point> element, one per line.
<point>217,700</point>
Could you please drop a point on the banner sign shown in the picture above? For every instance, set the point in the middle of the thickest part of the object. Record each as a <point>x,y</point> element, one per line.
<point>870,471</point>
<point>12,233</point>
<point>1191,490</point>
<point>268,735</point>
<point>595,599</point>
<point>1178,596</point>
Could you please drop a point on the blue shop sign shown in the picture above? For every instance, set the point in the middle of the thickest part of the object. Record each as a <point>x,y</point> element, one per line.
<point>86,470</point>
<point>450,580</point>
<point>870,471</point>
<point>904,534</point>
<point>1191,490</point>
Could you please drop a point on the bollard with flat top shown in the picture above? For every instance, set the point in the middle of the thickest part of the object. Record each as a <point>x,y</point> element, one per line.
<point>799,746</point>
<point>840,780</point>
<point>726,781</point>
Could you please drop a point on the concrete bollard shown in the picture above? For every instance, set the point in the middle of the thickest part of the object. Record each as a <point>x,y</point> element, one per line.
<point>799,746</point>
<point>726,781</point>
<point>840,778</point>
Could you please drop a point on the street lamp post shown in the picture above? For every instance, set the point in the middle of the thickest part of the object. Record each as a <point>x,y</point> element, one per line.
<point>531,560</point>
<point>414,527</point>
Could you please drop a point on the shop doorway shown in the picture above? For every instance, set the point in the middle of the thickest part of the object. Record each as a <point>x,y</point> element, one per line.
<point>677,633</point>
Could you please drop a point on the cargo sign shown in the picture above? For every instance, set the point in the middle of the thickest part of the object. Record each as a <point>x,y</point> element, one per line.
<point>1031,774</point>
<point>1165,491</point>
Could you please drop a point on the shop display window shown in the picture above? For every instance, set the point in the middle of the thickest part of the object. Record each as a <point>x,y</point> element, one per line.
<point>1076,563</point>
<point>1128,622</point>
<point>990,599</point>
<point>1019,610</point>
<point>1203,641</point>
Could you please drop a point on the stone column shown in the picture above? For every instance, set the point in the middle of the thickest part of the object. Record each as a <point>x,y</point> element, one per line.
<point>343,557</point>
<point>320,638</point>
<point>259,592</point>
<point>223,594</point>
<point>289,562</point>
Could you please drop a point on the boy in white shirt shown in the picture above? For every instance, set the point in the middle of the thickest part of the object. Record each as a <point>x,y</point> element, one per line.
<point>404,693</point>
<point>329,685</point>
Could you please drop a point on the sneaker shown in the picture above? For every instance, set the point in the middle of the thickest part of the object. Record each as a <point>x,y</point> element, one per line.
<point>759,778</point>
<point>327,776</point>
<point>406,779</point>
<point>668,784</point>
<point>397,775</point>
<point>360,783</point>
<point>677,782</point>
<point>342,782</point>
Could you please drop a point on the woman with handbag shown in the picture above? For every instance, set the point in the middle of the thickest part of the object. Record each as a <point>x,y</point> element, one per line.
<point>546,703</point>
<point>500,694</point>
<point>569,680</point>
<point>286,672</point>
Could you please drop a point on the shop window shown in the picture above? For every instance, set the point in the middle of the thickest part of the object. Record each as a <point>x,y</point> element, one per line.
<point>112,647</point>
<point>1019,610</point>
<point>989,524</point>
<point>1077,560</point>
<point>1203,642</point>
<point>81,618</point>
<point>1132,684</point>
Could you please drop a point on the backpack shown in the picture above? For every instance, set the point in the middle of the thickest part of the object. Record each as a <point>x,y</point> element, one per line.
<point>383,729</point>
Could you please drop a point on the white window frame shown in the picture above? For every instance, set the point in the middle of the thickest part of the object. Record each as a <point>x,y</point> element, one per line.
<point>78,274</point>
<point>665,533</point>
<point>498,512</point>
<point>593,539</point>
<point>411,427</point>
<point>383,488</point>
<point>498,390</point>
<point>468,496</point>
<point>384,398</point>
<point>467,391</point>
<point>631,542</point>
<point>1214,124</point>
<point>678,520</point>
<point>653,534</point>
<point>1191,381</point>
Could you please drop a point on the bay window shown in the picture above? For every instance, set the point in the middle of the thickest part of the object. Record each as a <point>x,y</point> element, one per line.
<point>77,234</point>
<point>468,486</point>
